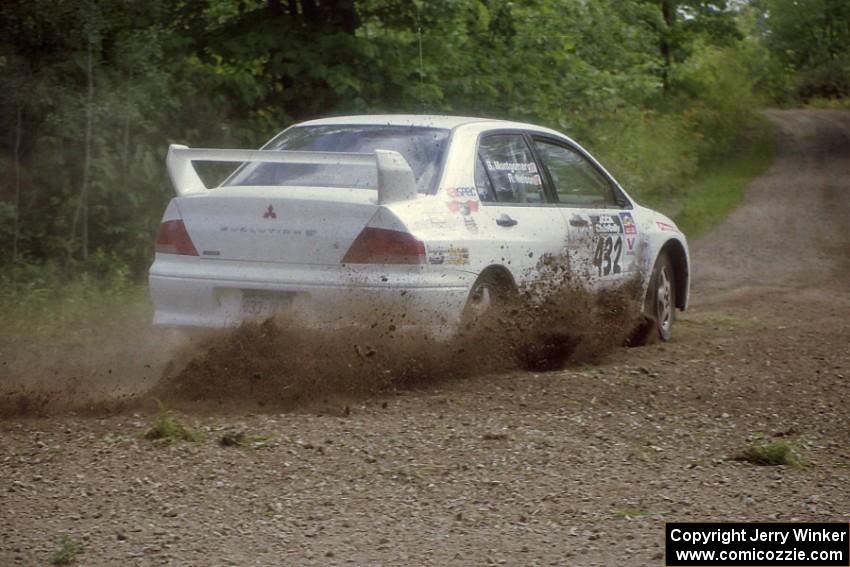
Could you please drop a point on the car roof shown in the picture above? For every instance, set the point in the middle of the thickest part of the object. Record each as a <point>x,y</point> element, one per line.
<point>420,120</point>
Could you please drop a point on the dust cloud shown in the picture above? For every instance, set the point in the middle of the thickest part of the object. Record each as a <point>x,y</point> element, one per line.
<point>101,370</point>
<point>280,363</point>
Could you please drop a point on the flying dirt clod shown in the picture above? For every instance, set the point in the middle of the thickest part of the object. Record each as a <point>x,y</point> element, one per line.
<point>280,362</point>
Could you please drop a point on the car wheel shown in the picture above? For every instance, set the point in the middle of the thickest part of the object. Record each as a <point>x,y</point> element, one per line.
<point>487,293</point>
<point>660,302</point>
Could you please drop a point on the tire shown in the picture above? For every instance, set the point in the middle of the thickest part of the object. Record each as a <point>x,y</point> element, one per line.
<point>487,293</point>
<point>660,303</point>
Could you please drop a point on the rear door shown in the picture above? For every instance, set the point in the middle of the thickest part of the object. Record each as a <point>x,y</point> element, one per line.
<point>603,237</point>
<point>518,215</point>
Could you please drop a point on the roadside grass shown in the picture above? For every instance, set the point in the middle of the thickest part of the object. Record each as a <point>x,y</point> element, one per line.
<point>719,185</point>
<point>829,103</point>
<point>60,329</point>
<point>773,453</point>
<point>166,427</point>
<point>79,313</point>
<point>68,550</point>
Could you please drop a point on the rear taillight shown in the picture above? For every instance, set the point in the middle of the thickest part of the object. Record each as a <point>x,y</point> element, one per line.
<point>383,246</point>
<point>172,238</point>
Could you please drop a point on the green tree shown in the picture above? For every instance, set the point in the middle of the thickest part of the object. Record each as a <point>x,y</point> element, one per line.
<point>813,38</point>
<point>92,91</point>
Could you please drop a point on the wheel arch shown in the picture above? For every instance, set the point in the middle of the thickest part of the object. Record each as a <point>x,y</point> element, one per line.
<point>494,275</point>
<point>675,251</point>
<point>500,274</point>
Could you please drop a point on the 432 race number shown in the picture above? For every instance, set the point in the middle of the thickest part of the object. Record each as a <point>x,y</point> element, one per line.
<point>606,258</point>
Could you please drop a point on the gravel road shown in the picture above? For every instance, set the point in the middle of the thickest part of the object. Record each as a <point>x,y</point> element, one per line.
<point>575,467</point>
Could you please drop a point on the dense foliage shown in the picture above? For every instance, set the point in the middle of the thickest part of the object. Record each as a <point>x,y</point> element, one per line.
<point>94,91</point>
<point>813,39</point>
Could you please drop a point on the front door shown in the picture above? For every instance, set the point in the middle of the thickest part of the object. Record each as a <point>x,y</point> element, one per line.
<point>602,233</point>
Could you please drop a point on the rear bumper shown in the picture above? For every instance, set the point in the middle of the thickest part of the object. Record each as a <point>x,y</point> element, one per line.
<point>195,292</point>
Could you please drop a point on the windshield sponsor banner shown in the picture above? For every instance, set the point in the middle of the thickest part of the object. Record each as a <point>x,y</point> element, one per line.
<point>762,544</point>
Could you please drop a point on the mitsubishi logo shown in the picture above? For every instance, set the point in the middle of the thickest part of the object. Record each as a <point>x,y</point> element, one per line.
<point>270,214</point>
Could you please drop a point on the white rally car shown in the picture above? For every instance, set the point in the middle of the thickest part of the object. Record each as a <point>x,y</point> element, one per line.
<point>430,217</point>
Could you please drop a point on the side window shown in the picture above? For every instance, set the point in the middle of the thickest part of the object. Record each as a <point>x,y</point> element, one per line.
<point>576,180</point>
<point>482,182</point>
<point>507,162</point>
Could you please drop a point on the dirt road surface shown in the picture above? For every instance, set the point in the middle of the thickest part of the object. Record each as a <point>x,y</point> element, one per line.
<point>576,467</point>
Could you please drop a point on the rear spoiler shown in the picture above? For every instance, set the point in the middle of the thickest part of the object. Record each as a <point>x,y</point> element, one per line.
<point>395,178</point>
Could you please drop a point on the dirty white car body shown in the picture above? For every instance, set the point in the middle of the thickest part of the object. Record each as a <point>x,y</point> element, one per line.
<point>338,219</point>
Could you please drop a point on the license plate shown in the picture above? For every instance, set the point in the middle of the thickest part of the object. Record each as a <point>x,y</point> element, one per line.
<point>263,304</point>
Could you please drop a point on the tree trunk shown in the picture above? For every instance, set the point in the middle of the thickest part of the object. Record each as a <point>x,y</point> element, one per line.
<point>125,149</point>
<point>82,202</point>
<point>421,60</point>
<point>310,11</point>
<point>668,12</point>
<point>348,15</point>
<point>19,128</point>
<point>275,8</point>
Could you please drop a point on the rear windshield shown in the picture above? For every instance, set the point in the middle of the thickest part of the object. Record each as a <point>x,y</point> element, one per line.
<point>423,148</point>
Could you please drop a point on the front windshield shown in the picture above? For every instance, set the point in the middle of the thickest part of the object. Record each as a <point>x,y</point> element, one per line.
<point>423,148</point>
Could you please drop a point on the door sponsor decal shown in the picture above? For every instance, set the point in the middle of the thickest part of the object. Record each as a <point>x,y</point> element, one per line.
<point>463,207</point>
<point>607,224</point>
<point>463,200</point>
<point>606,258</point>
<point>462,192</point>
<point>629,226</point>
<point>453,255</point>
